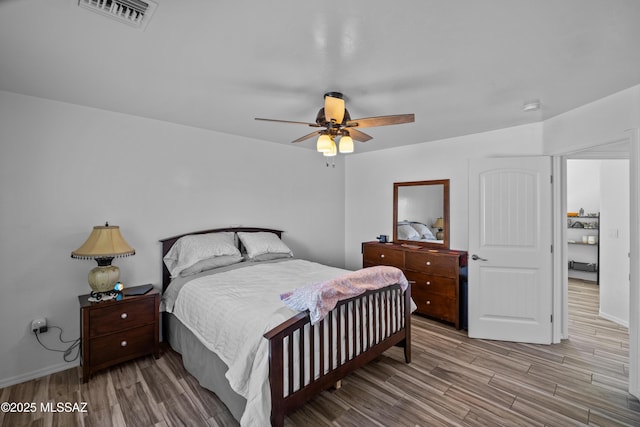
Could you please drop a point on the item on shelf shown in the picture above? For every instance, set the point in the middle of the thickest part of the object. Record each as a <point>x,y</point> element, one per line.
<point>572,213</point>
<point>583,266</point>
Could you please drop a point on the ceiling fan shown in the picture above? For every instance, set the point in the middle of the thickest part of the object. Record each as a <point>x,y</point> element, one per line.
<point>336,122</point>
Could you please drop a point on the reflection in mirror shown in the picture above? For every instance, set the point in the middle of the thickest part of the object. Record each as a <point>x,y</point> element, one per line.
<point>421,213</point>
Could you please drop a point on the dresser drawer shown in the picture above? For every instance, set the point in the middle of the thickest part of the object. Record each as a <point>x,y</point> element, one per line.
<point>435,305</point>
<point>381,255</point>
<point>433,273</point>
<point>122,316</point>
<point>121,346</point>
<point>445,286</point>
<point>442,265</point>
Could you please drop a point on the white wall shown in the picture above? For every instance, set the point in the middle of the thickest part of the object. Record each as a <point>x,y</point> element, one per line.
<point>583,185</point>
<point>370,177</point>
<point>66,168</point>
<point>603,121</point>
<point>614,241</point>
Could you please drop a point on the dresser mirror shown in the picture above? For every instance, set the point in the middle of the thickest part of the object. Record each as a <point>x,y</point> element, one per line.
<point>421,213</point>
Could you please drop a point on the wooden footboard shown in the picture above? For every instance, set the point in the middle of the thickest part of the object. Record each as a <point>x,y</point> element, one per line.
<point>305,359</point>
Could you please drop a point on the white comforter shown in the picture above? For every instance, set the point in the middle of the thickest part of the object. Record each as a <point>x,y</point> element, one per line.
<point>230,312</point>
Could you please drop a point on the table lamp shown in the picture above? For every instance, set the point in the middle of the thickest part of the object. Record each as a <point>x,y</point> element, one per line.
<point>439,224</point>
<point>104,244</point>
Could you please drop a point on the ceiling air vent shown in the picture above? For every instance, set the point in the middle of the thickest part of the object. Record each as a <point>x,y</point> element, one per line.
<point>136,13</point>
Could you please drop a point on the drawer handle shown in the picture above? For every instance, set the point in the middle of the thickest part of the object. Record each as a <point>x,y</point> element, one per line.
<point>123,316</point>
<point>428,263</point>
<point>428,283</point>
<point>123,343</point>
<point>382,256</point>
<point>413,282</point>
<point>428,302</point>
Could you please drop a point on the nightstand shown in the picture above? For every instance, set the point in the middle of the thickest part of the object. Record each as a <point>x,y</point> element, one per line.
<point>116,331</point>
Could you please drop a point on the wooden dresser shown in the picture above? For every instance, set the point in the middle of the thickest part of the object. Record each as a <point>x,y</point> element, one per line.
<point>434,275</point>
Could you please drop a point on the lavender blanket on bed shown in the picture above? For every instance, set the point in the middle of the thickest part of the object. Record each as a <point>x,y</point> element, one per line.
<point>320,298</point>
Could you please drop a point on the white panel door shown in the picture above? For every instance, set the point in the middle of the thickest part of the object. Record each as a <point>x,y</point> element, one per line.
<point>510,281</point>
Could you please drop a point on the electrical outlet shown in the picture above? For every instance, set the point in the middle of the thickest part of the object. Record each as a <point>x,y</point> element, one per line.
<point>39,325</point>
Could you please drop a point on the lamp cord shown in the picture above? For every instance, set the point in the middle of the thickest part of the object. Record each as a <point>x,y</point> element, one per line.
<point>75,345</point>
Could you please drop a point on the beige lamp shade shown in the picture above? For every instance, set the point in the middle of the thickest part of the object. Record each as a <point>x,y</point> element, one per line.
<point>104,244</point>
<point>334,109</point>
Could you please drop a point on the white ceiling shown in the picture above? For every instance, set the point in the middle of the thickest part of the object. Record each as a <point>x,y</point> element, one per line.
<point>462,66</point>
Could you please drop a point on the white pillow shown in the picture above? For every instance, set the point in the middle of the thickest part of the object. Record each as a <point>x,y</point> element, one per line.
<point>210,264</point>
<point>423,230</point>
<point>261,243</point>
<point>407,232</point>
<point>189,250</point>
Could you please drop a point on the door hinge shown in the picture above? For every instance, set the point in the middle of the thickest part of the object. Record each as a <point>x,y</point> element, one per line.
<point>551,248</point>
<point>551,178</point>
<point>552,318</point>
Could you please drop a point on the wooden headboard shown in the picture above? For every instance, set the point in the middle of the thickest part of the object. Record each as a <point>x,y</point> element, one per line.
<point>169,242</point>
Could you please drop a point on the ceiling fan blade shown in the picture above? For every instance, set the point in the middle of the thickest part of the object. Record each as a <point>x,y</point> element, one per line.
<point>368,122</point>
<point>334,107</point>
<point>311,135</point>
<point>359,136</point>
<point>315,125</point>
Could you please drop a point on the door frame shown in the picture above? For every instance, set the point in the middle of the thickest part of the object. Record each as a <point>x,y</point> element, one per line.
<point>560,329</point>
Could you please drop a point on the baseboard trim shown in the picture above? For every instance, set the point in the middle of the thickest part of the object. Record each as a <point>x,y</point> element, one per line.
<point>6,382</point>
<point>614,319</point>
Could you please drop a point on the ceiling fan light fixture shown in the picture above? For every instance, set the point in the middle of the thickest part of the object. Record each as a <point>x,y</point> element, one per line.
<point>335,122</point>
<point>333,151</point>
<point>324,143</point>
<point>346,144</point>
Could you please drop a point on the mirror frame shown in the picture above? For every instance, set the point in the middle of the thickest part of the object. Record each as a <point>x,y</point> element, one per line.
<point>445,214</point>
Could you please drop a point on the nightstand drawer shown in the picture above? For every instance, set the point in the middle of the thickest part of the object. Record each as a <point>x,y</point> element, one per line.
<point>432,263</point>
<point>124,315</point>
<point>445,286</point>
<point>381,255</point>
<point>122,346</point>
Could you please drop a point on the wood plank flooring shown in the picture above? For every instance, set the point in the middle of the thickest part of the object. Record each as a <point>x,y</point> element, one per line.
<point>452,381</point>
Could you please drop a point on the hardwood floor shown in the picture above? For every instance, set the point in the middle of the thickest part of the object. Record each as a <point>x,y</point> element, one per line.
<point>452,381</point>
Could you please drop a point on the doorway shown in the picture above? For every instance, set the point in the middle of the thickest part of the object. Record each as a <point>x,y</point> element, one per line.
<point>627,147</point>
<point>598,229</point>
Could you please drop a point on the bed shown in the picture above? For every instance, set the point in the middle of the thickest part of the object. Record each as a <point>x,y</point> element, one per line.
<point>416,231</point>
<point>270,373</point>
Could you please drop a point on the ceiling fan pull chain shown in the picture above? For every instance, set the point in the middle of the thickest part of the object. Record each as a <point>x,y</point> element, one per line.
<point>330,164</point>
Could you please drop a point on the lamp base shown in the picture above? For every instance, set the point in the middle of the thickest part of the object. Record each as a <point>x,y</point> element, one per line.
<point>103,277</point>
<point>440,235</point>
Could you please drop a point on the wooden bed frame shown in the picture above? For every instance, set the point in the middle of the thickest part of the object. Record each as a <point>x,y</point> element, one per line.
<point>357,331</point>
